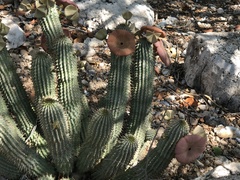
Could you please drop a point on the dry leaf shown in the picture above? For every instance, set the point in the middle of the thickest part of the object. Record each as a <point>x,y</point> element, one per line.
<point>189,101</point>
<point>2,7</point>
<point>160,95</point>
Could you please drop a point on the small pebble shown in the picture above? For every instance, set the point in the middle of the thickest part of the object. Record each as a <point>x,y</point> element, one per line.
<point>92,71</point>
<point>166,72</point>
<point>219,172</point>
<point>181,115</point>
<point>213,8</point>
<point>220,11</point>
<point>84,82</point>
<point>211,121</point>
<point>203,107</point>
<point>236,152</point>
<point>102,64</point>
<point>226,132</point>
<point>171,98</point>
<point>219,160</point>
<point>194,121</point>
<point>223,142</point>
<point>233,142</point>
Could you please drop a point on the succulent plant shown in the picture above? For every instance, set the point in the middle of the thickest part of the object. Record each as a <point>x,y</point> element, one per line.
<point>58,135</point>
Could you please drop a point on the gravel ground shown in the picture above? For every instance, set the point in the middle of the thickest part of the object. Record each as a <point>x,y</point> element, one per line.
<point>197,17</point>
<point>184,19</point>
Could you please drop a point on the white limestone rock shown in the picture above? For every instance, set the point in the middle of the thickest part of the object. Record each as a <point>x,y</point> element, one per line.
<point>87,47</point>
<point>212,67</point>
<point>108,13</point>
<point>15,36</point>
<point>219,172</point>
<point>234,167</point>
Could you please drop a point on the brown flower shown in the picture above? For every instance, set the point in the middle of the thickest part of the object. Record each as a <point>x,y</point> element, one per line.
<point>162,52</point>
<point>121,42</point>
<point>153,29</point>
<point>189,148</point>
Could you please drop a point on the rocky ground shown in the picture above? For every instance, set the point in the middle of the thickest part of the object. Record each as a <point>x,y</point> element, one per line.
<point>172,97</point>
<point>187,18</point>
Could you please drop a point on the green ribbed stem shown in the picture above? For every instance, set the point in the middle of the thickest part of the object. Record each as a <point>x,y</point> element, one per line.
<point>52,30</point>
<point>118,91</point>
<point>98,134</point>
<point>150,134</point>
<point>142,90</point>
<point>158,159</point>
<point>117,160</point>
<point>55,127</point>
<point>69,92</point>
<point>8,170</point>
<point>42,75</point>
<point>18,102</point>
<point>51,27</point>
<point>13,147</point>
<point>14,93</point>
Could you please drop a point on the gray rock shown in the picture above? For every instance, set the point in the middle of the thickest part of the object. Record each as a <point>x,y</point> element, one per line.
<point>15,36</point>
<point>234,167</point>
<point>212,67</point>
<point>220,11</point>
<point>93,42</point>
<point>85,49</point>
<point>98,13</point>
<point>219,172</point>
<point>213,120</point>
<point>236,152</point>
<point>219,160</point>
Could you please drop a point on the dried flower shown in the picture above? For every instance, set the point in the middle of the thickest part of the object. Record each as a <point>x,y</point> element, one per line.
<point>121,42</point>
<point>153,29</point>
<point>162,52</point>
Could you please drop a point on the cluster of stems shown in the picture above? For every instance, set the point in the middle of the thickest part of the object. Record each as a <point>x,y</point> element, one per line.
<point>58,135</point>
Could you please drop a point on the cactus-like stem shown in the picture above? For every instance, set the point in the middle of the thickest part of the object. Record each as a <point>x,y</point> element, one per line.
<point>142,91</point>
<point>142,88</point>
<point>14,93</point>
<point>55,126</point>
<point>69,92</point>
<point>42,75</point>
<point>8,170</point>
<point>159,158</point>
<point>17,100</point>
<point>51,26</point>
<point>13,147</point>
<point>97,136</point>
<point>104,147</point>
<point>118,91</point>
<point>52,29</point>
<point>117,160</point>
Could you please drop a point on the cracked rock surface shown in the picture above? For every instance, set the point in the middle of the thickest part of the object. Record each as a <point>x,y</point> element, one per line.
<point>214,59</point>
